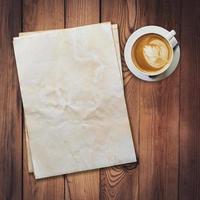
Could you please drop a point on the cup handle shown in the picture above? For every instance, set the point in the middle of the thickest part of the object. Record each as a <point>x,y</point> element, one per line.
<point>170,37</point>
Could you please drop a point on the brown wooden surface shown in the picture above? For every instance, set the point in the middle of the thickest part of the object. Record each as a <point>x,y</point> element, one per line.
<point>159,115</point>
<point>189,162</point>
<point>10,105</point>
<point>164,116</point>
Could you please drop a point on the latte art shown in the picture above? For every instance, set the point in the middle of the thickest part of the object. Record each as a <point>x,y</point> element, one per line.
<point>151,52</point>
<point>156,53</point>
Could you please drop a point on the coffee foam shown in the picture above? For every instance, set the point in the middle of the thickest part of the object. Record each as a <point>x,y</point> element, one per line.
<point>151,52</point>
<point>156,53</point>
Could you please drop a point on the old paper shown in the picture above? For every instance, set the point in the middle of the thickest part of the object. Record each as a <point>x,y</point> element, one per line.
<point>117,47</point>
<point>73,100</point>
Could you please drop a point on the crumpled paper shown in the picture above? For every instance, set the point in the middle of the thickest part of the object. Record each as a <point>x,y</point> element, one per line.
<point>117,47</point>
<point>73,100</point>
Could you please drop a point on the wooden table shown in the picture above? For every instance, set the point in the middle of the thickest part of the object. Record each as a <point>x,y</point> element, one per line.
<point>165,116</point>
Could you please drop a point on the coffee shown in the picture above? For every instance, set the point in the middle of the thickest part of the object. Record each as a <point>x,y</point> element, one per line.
<point>151,53</point>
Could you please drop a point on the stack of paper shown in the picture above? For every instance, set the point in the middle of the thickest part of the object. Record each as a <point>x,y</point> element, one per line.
<point>73,98</point>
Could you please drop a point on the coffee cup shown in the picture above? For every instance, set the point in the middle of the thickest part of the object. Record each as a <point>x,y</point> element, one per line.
<point>150,50</point>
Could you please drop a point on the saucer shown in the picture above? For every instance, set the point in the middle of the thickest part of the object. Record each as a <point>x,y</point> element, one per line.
<point>150,29</point>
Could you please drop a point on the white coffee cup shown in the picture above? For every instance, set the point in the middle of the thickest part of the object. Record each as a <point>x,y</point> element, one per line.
<point>168,35</point>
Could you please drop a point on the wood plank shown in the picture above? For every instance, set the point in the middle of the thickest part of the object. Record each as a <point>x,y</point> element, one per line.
<point>85,185</point>
<point>82,12</point>
<point>122,182</point>
<point>10,104</point>
<point>41,15</point>
<point>189,181</point>
<point>159,115</point>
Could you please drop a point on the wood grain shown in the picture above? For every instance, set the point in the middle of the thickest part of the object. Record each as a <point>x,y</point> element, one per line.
<point>42,15</point>
<point>159,115</point>
<point>10,105</point>
<point>189,181</point>
<point>82,186</point>
<point>82,12</point>
<point>122,182</point>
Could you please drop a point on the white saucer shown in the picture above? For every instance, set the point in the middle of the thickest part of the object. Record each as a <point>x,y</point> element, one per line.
<point>150,29</point>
